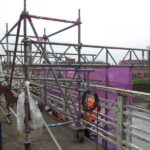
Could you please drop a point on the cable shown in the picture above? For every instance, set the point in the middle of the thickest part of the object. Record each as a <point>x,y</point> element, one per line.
<point>97,132</point>
<point>85,100</point>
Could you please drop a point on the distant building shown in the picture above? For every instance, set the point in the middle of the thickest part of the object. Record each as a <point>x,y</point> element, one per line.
<point>137,72</point>
<point>70,60</point>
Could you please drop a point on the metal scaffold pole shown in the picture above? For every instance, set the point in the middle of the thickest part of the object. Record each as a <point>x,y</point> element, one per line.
<point>79,62</point>
<point>7,47</point>
<point>27,110</point>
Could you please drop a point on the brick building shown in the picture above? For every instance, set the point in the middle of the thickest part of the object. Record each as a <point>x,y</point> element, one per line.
<point>137,72</point>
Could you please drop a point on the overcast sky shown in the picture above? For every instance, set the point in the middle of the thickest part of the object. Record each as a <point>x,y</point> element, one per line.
<point>123,23</point>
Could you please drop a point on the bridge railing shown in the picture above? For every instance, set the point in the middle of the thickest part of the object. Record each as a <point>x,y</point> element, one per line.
<point>130,124</point>
<point>124,125</point>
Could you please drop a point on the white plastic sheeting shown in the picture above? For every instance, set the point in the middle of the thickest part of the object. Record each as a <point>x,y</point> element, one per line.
<point>36,116</point>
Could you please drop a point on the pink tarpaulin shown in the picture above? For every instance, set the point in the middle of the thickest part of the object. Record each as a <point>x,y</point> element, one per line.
<point>118,77</point>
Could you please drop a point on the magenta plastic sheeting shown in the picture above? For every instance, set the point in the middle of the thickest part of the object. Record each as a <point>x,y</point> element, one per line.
<point>113,76</point>
<point>118,77</point>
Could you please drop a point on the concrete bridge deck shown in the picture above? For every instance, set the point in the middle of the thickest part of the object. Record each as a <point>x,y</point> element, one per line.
<point>13,140</point>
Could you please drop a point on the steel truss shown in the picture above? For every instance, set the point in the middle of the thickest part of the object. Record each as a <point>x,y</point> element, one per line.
<point>34,53</point>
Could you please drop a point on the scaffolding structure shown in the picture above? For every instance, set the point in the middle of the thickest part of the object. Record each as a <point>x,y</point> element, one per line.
<point>35,56</point>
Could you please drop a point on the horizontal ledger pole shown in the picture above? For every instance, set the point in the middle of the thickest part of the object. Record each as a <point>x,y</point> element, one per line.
<point>44,79</point>
<point>60,65</point>
<point>51,53</point>
<point>29,36</point>
<point>85,45</point>
<point>52,19</point>
<point>74,65</point>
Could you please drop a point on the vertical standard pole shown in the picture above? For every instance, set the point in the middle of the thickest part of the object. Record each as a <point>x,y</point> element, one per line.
<point>120,121</point>
<point>148,61</point>
<point>130,59</point>
<point>45,71</point>
<point>25,5</point>
<point>25,46</point>
<point>79,61</point>
<point>88,81</point>
<point>105,143</point>
<point>143,62</point>
<point>7,47</point>
<point>27,111</point>
<point>106,111</point>
<point>106,55</point>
